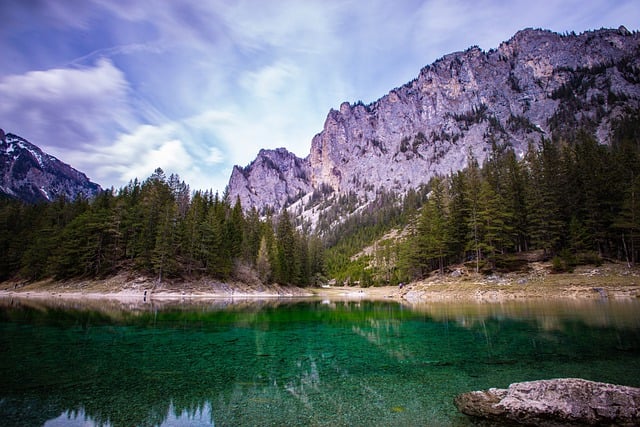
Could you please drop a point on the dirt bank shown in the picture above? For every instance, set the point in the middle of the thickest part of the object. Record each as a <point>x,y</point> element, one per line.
<point>607,281</point>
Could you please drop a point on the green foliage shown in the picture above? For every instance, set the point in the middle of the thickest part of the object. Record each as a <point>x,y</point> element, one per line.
<point>345,239</point>
<point>155,227</point>
<point>575,199</point>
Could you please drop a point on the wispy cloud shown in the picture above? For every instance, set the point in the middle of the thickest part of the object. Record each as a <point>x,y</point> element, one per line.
<point>120,87</point>
<point>59,107</point>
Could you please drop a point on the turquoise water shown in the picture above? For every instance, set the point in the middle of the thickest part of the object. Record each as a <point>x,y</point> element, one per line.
<point>275,363</point>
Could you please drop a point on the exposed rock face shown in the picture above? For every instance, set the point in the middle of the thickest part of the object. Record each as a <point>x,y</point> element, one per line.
<point>538,84</point>
<point>276,174</point>
<point>28,174</point>
<point>558,402</point>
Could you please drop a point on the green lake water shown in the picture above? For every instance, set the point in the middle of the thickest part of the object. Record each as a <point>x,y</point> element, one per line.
<point>284,362</point>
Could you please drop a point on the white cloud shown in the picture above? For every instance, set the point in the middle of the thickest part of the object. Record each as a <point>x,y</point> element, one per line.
<point>270,81</point>
<point>215,156</point>
<point>59,107</point>
<point>137,154</point>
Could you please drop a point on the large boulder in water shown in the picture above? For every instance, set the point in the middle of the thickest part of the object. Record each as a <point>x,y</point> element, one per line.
<point>557,402</point>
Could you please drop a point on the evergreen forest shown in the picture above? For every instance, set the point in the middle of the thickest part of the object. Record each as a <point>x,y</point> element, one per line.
<point>158,228</point>
<point>570,198</point>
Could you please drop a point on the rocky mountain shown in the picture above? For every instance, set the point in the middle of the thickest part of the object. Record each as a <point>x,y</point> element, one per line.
<point>538,84</point>
<point>28,174</point>
<point>280,173</point>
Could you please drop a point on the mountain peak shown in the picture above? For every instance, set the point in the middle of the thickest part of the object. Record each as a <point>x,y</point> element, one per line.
<point>538,84</point>
<point>274,179</point>
<point>29,174</point>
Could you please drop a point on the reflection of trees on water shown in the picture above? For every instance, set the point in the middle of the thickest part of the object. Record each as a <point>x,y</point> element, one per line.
<point>294,362</point>
<point>549,314</point>
<point>385,334</point>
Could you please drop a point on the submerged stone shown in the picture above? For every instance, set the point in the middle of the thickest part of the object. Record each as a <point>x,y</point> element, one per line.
<point>557,402</point>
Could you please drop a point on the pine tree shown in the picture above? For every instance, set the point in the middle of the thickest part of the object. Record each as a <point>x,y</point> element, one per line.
<point>544,198</point>
<point>515,202</point>
<point>164,259</point>
<point>316,260</point>
<point>15,229</point>
<point>627,222</point>
<point>473,187</point>
<point>288,263</point>
<point>494,228</point>
<point>252,236</point>
<point>155,198</point>
<point>263,265</point>
<point>458,224</point>
<point>433,225</point>
<point>218,261</point>
<point>234,231</point>
<point>192,238</point>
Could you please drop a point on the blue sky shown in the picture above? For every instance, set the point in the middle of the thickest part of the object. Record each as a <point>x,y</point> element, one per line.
<point>117,88</point>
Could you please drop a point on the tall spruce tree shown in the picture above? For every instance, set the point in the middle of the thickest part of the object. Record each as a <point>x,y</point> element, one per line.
<point>544,198</point>
<point>288,263</point>
<point>474,221</point>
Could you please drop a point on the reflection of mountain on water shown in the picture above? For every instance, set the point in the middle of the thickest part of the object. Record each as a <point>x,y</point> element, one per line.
<point>292,362</point>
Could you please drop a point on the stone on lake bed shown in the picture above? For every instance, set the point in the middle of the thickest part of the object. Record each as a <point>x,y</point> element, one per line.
<point>556,402</point>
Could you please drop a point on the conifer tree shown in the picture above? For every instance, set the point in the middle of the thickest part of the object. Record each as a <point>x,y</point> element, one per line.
<point>234,231</point>
<point>473,187</point>
<point>494,228</point>
<point>165,253</point>
<point>433,225</point>
<point>627,222</point>
<point>263,265</point>
<point>458,224</point>
<point>316,260</point>
<point>218,261</point>
<point>192,238</point>
<point>252,236</point>
<point>288,262</point>
<point>544,197</point>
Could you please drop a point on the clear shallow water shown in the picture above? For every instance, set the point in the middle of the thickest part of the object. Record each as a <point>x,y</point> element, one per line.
<point>294,362</point>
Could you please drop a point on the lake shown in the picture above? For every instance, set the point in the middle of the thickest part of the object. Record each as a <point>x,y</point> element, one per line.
<point>294,362</point>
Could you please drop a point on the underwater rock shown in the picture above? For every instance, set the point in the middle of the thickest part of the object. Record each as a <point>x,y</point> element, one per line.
<point>556,402</point>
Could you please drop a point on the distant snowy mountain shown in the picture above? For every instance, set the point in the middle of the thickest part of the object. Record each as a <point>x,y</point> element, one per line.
<point>29,174</point>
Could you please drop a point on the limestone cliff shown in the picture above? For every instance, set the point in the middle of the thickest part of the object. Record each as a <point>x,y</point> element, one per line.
<point>274,179</point>
<point>537,84</point>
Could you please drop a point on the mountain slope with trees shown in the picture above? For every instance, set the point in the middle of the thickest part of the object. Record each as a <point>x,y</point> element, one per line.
<point>573,200</point>
<point>537,86</point>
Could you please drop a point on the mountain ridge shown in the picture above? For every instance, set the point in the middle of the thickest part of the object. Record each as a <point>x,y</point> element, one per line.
<point>538,84</point>
<point>31,175</point>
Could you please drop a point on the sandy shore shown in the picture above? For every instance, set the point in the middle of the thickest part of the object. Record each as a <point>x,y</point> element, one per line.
<point>608,281</point>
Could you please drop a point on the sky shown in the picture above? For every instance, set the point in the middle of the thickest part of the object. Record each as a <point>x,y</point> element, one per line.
<point>118,88</point>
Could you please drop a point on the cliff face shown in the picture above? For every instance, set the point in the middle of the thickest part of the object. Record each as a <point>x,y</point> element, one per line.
<point>28,174</point>
<point>274,179</point>
<point>538,84</point>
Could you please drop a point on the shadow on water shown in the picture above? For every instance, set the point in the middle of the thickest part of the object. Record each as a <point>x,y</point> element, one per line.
<point>294,362</point>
